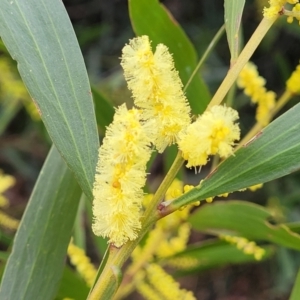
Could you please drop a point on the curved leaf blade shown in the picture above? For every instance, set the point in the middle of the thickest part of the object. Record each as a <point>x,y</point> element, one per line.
<point>39,36</point>
<point>243,219</point>
<point>296,288</point>
<point>149,17</point>
<point>36,263</point>
<point>233,15</point>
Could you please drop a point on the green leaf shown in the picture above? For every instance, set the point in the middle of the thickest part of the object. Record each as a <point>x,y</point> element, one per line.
<point>9,108</point>
<point>296,289</point>
<point>245,219</point>
<point>104,110</point>
<point>72,286</point>
<point>233,14</point>
<point>39,36</point>
<point>210,254</point>
<point>36,263</point>
<point>272,154</point>
<point>149,17</point>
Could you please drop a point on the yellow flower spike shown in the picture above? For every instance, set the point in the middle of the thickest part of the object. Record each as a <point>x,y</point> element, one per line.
<point>214,132</point>
<point>183,262</point>
<point>292,83</point>
<point>248,247</point>
<point>156,89</point>
<point>82,264</point>
<point>254,87</point>
<point>166,285</point>
<point>175,244</point>
<point>120,177</point>
<point>147,291</point>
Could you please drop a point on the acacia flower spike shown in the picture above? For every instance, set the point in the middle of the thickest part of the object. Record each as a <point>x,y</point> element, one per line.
<point>254,87</point>
<point>120,177</point>
<point>156,89</point>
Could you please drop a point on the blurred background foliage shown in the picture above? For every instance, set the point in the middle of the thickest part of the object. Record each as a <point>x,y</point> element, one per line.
<point>102,29</point>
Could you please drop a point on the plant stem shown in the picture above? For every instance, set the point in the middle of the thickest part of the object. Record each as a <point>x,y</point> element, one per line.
<point>243,58</point>
<point>208,50</point>
<point>107,285</point>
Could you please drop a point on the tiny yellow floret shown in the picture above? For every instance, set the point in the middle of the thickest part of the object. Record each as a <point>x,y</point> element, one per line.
<point>255,187</point>
<point>156,89</point>
<point>120,177</point>
<point>214,132</point>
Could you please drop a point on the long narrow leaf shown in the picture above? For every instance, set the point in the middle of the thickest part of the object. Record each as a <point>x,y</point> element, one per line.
<point>233,14</point>
<point>296,289</point>
<point>39,36</point>
<point>243,219</point>
<point>36,264</point>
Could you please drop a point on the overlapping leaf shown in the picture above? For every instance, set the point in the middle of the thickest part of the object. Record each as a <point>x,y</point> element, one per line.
<point>39,36</point>
<point>244,219</point>
<point>36,263</point>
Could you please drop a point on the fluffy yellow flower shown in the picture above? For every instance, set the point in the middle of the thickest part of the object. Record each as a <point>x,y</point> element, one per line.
<point>293,83</point>
<point>156,89</point>
<point>254,87</point>
<point>276,7</point>
<point>120,177</point>
<point>214,132</point>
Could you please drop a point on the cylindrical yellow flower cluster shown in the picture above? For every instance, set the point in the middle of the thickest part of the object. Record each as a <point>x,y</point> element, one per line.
<point>214,132</point>
<point>254,87</point>
<point>156,89</point>
<point>245,245</point>
<point>82,263</point>
<point>293,83</point>
<point>166,285</point>
<point>120,177</point>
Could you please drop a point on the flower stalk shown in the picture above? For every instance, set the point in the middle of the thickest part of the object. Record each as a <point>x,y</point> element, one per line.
<point>243,58</point>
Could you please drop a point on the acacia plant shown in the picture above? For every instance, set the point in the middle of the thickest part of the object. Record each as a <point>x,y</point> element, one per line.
<point>172,106</point>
